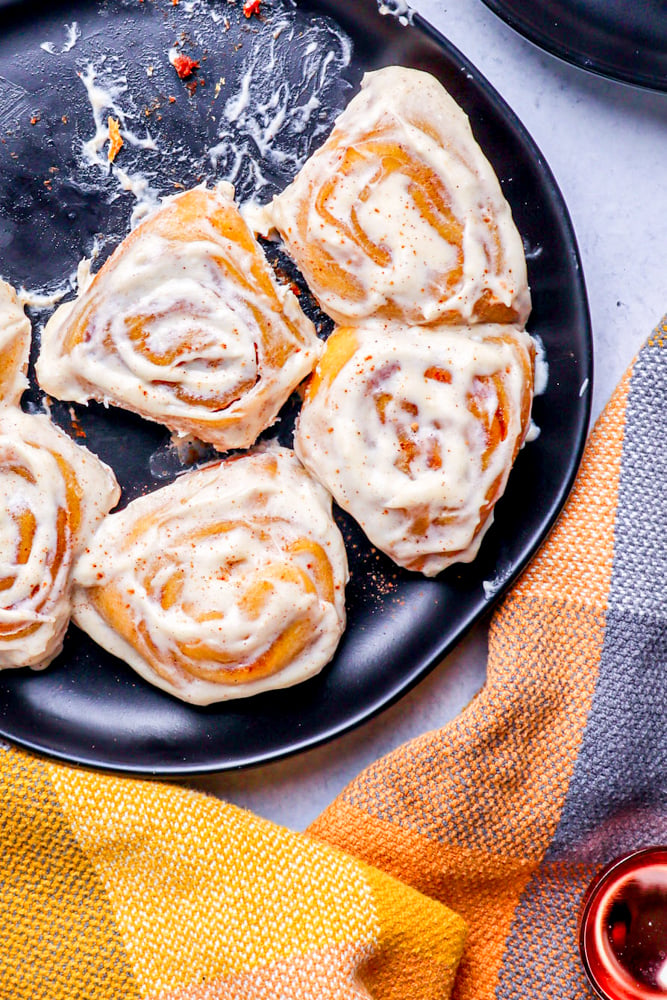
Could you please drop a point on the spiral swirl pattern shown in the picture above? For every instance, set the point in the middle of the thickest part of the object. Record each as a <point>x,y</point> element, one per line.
<point>399,215</point>
<point>186,325</point>
<point>228,582</point>
<point>415,432</point>
<point>52,494</point>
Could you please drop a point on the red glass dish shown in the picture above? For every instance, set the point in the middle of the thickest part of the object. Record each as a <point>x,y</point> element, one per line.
<point>623,927</point>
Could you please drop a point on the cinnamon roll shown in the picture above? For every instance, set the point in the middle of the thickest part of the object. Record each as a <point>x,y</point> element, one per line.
<point>400,216</point>
<point>14,346</point>
<point>228,582</point>
<point>52,495</point>
<point>185,325</point>
<point>414,431</point>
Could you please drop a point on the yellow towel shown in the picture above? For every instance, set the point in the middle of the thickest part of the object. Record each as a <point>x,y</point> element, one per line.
<point>113,889</point>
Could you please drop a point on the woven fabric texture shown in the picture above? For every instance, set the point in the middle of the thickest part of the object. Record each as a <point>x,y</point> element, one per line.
<point>111,887</point>
<point>560,763</point>
<point>114,888</point>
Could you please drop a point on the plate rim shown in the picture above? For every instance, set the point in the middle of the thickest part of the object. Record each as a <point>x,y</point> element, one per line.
<point>420,665</point>
<point>526,26</point>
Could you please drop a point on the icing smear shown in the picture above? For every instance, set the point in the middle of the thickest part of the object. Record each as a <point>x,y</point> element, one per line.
<point>399,9</point>
<point>72,35</point>
<point>104,101</point>
<point>290,89</point>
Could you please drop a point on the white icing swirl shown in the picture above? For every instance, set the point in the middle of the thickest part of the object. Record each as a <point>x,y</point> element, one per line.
<point>228,582</point>
<point>185,325</point>
<point>399,215</point>
<point>414,431</point>
<point>52,495</point>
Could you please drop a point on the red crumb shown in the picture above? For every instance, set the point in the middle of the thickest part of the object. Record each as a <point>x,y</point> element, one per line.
<point>77,429</point>
<point>184,65</point>
<point>251,7</point>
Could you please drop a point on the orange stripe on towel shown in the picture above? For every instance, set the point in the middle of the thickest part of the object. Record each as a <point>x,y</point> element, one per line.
<point>465,814</point>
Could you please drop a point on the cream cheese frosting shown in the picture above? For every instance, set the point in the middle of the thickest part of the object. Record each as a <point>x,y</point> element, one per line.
<point>414,431</point>
<point>399,215</point>
<point>228,582</point>
<point>14,346</point>
<point>186,325</point>
<point>53,493</point>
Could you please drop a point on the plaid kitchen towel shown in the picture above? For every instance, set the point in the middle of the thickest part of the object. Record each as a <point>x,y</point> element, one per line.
<point>560,763</point>
<point>117,889</point>
<point>114,888</point>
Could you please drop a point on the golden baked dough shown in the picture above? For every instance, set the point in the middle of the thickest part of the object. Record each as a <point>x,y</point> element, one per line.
<point>414,431</point>
<point>186,325</point>
<point>52,495</point>
<point>228,582</point>
<point>14,346</point>
<point>400,216</point>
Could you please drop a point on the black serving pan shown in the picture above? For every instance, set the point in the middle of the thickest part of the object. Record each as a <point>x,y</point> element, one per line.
<point>622,39</point>
<point>88,707</point>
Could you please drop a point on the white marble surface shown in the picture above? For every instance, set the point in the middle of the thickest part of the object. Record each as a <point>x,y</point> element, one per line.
<point>607,146</point>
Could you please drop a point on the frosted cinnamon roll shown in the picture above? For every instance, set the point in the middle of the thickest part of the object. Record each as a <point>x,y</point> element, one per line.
<point>400,216</point>
<point>185,325</point>
<point>415,431</point>
<point>14,346</point>
<point>53,493</point>
<point>228,582</point>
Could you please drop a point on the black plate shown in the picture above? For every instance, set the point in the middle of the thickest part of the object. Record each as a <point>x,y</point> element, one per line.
<point>88,707</point>
<point>622,39</point>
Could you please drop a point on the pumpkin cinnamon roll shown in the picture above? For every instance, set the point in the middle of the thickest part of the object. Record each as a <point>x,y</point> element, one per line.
<point>186,325</point>
<point>14,346</point>
<point>400,216</point>
<point>414,431</point>
<point>228,582</point>
<point>53,493</point>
